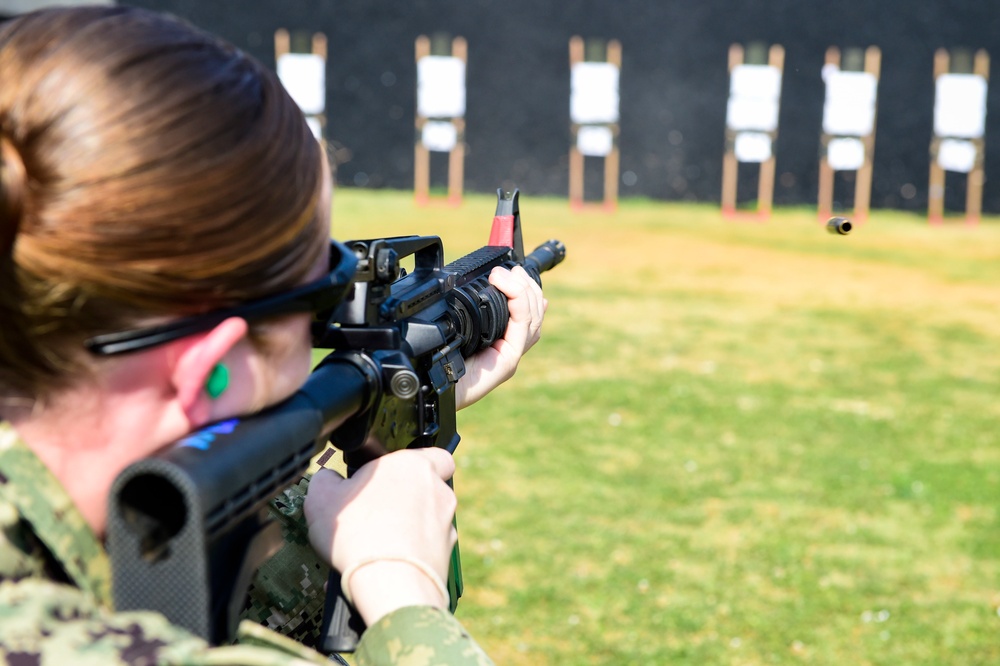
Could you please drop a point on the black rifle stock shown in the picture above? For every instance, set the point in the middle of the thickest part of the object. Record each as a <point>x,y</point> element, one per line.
<point>188,527</point>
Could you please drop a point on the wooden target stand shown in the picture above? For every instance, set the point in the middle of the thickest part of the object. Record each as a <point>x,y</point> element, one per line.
<point>760,125</point>
<point>601,124</point>
<point>958,143</point>
<point>849,126</point>
<point>301,64</point>
<point>433,123</point>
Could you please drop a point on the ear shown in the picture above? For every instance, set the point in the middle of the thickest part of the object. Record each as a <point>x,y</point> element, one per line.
<point>196,358</point>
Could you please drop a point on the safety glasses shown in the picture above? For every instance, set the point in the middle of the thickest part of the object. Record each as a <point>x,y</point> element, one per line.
<point>319,297</point>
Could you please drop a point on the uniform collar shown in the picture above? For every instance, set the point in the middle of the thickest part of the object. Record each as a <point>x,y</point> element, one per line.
<point>27,483</point>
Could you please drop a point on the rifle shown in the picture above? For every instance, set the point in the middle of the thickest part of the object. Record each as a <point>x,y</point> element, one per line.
<point>188,526</point>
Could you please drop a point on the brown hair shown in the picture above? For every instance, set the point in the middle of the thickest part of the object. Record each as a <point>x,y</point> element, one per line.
<point>147,169</point>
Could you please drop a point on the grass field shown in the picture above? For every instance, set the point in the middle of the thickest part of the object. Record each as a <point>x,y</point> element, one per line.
<point>736,443</point>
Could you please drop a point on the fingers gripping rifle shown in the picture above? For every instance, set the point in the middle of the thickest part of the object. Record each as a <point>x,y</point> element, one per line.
<point>188,527</point>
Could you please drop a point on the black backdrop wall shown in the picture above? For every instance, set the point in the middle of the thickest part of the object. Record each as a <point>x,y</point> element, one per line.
<point>674,86</point>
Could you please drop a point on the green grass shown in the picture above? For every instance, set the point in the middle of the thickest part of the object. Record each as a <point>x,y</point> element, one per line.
<point>737,442</point>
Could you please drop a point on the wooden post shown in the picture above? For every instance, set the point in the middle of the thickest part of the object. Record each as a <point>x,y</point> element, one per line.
<point>730,166</point>
<point>863,184</point>
<point>935,190</point>
<point>282,43</point>
<point>319,44</point>
<point>826,172</point>
<point>765,186</point>
<point>456,165</point>
<point>976,178</point>
<point>612,159</point>
<point>421,156</point>
<point>576,161</point>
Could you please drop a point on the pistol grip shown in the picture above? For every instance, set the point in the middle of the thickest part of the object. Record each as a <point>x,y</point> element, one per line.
<point>342,625</point>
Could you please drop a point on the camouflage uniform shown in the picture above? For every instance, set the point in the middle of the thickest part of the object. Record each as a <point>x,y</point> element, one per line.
<point>55,595</point>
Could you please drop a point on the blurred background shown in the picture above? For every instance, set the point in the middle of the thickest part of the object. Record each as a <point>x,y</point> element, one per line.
<point>674,85</point>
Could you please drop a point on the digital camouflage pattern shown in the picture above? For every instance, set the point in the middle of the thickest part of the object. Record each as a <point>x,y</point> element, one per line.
<point>288,592</point>
<point>401,638</point>
<point>55,595</point>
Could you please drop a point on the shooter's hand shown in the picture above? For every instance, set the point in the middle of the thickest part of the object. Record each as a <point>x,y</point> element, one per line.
<point>489,368</point>
<point>388,529</point>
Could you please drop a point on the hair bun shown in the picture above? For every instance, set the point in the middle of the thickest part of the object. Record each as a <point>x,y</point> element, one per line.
<point>13,183</point>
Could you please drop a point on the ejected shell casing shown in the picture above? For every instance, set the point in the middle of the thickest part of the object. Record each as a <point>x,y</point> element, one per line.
<point>839,225</point>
